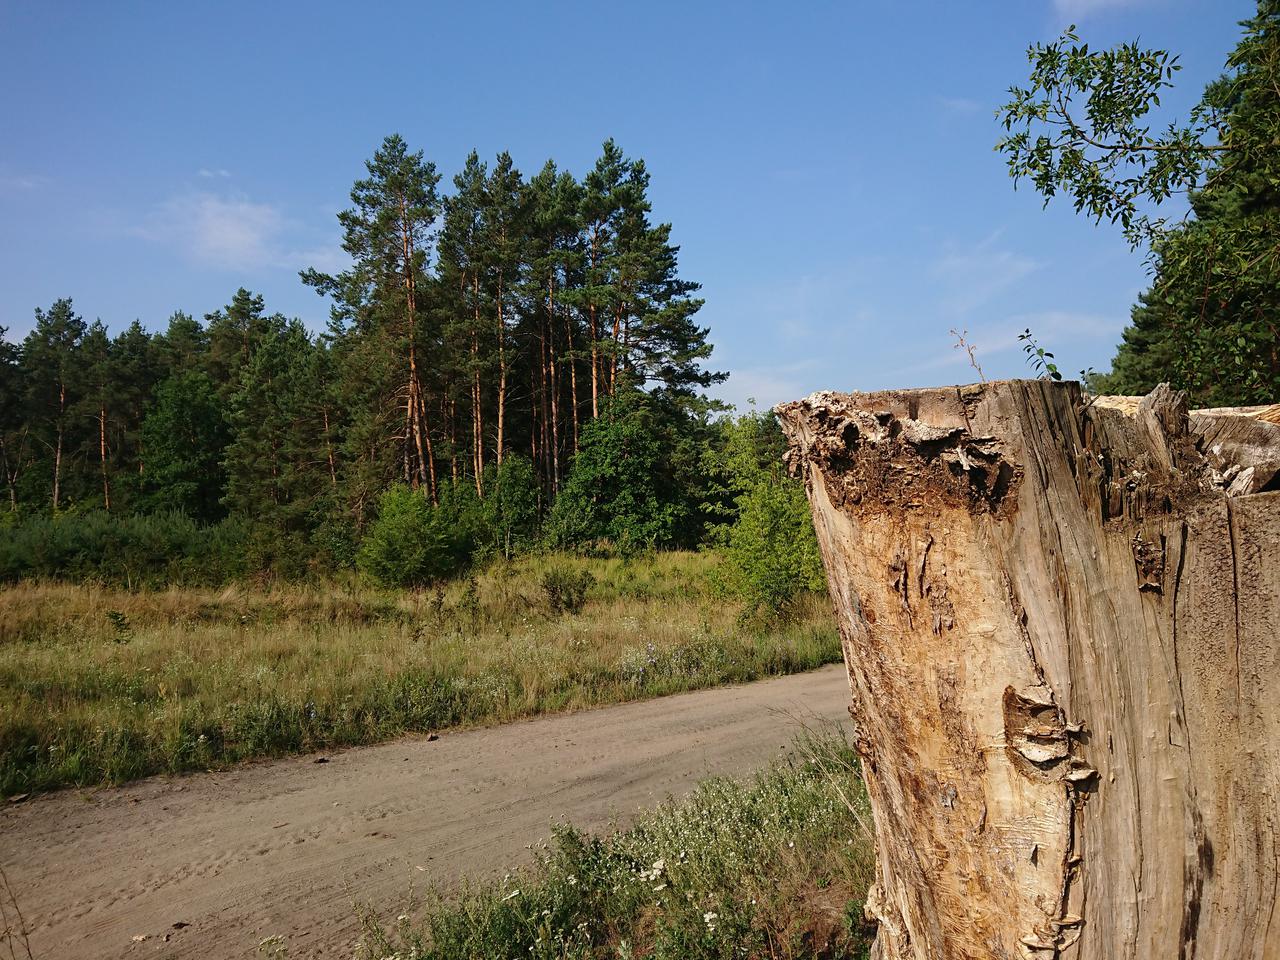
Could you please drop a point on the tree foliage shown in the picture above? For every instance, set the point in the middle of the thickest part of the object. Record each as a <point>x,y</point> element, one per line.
<point>765,526</point>
<point>509,362</point>
<point>1083,127</point>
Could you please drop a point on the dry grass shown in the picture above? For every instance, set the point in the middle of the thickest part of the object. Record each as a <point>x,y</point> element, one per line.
<point>104,685</point>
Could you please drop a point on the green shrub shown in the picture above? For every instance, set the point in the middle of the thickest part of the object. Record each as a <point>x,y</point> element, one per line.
<point>510,507</point>
<point>618,489</point>
<point>411,542</point>
<point>772,552</point>
<point>566,589</point>
<point>129,550</point>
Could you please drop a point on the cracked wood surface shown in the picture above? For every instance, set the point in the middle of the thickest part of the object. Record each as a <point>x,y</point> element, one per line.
<point>1059,619</point>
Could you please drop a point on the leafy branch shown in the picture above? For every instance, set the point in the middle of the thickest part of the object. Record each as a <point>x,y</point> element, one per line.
<point>1103,153</point>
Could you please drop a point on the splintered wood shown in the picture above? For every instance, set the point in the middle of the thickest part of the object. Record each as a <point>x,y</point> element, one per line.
<point>1061,622</point>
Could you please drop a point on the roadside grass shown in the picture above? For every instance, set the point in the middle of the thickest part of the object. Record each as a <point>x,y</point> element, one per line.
<point>774,867</point>
<point>101,685</point>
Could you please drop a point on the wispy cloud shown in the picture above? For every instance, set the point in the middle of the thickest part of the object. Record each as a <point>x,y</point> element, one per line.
<point>968,278</point>
<point>960,106</point>
<point>1079,9</point>
<point>21,182</point>
<point>763,387</point>
<point>233,233</point>
<point>218,173</point>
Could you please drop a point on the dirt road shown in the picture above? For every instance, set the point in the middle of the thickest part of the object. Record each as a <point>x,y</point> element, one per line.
<point>288,847</point>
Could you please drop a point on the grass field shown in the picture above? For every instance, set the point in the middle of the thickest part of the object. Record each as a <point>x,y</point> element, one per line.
<point>776,867</point>
<point>99,685</point>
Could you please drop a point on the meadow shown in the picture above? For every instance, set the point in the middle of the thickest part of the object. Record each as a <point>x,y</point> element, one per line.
<point>777,866</point>
<point>101,685</point>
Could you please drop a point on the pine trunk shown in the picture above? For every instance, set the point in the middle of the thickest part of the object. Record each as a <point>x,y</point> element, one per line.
<point>102,457</point>
<point>573,377</point>
<point>502,377</point>
<point>553,387</point>
<point>1059,622</point>
<point>477,412</point>
<point>594,333</point>
<point>57,452</point>
<point>328,449</point>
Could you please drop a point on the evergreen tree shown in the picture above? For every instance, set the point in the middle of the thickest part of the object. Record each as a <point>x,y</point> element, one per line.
<point>13,426</point>
<point>503,226</point>
<point>184,345</point>
<point>555,257</point>
<point>464,299</point>
<point>185,434</point>
<point>54,381</point>
<point>383,296</point>
<point>234,335</point>
<point>98,403</point>
<point>138,363</point>
<point>278,464</point>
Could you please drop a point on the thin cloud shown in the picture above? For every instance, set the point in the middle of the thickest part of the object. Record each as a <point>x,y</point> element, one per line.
<point>233,233</point>
<point>960,106</point>
<point>214,174</point>
<point>969,278</point>
<point>21,183</point>
<point>1079,9</point>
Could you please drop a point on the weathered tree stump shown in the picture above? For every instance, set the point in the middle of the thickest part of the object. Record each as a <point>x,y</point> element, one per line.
<point>1061,621</point>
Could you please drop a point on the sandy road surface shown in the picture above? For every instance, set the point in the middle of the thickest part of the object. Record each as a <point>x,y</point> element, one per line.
<point>287,847</point>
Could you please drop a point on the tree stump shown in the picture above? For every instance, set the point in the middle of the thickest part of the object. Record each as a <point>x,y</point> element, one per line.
<point>1061,622</point>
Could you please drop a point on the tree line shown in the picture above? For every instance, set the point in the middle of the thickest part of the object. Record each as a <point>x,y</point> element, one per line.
<point>515,359</point>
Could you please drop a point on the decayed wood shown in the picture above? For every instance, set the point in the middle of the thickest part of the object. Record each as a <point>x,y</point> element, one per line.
<point>1061,621</point>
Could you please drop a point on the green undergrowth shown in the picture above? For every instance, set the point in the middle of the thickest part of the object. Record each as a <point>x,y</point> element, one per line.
<point>777,866</point>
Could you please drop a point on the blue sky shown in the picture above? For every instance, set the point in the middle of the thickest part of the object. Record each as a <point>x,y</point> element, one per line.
<point>828,167</point>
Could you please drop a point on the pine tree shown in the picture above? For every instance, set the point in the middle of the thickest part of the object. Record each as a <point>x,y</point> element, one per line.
<point>185,434</point>
<point>184,345</point>
<point>234,333</point>
<point>388,235</point>
<point>555,257</point>
<point>503,223</point>
<point>13,428</point>
<point>462,269</point>
<point>278,464</point>
<point>139,362</point>
<point>51,361</point>
<point>98,401</point>
<point>598,212</point>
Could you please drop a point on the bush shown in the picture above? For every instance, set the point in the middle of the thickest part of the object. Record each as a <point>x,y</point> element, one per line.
<point>618,489</point>
<point>411,542</point>
<point>566,589</point>
<point>510,506</point>
<point>129,550</point>
<point>772,551</point>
